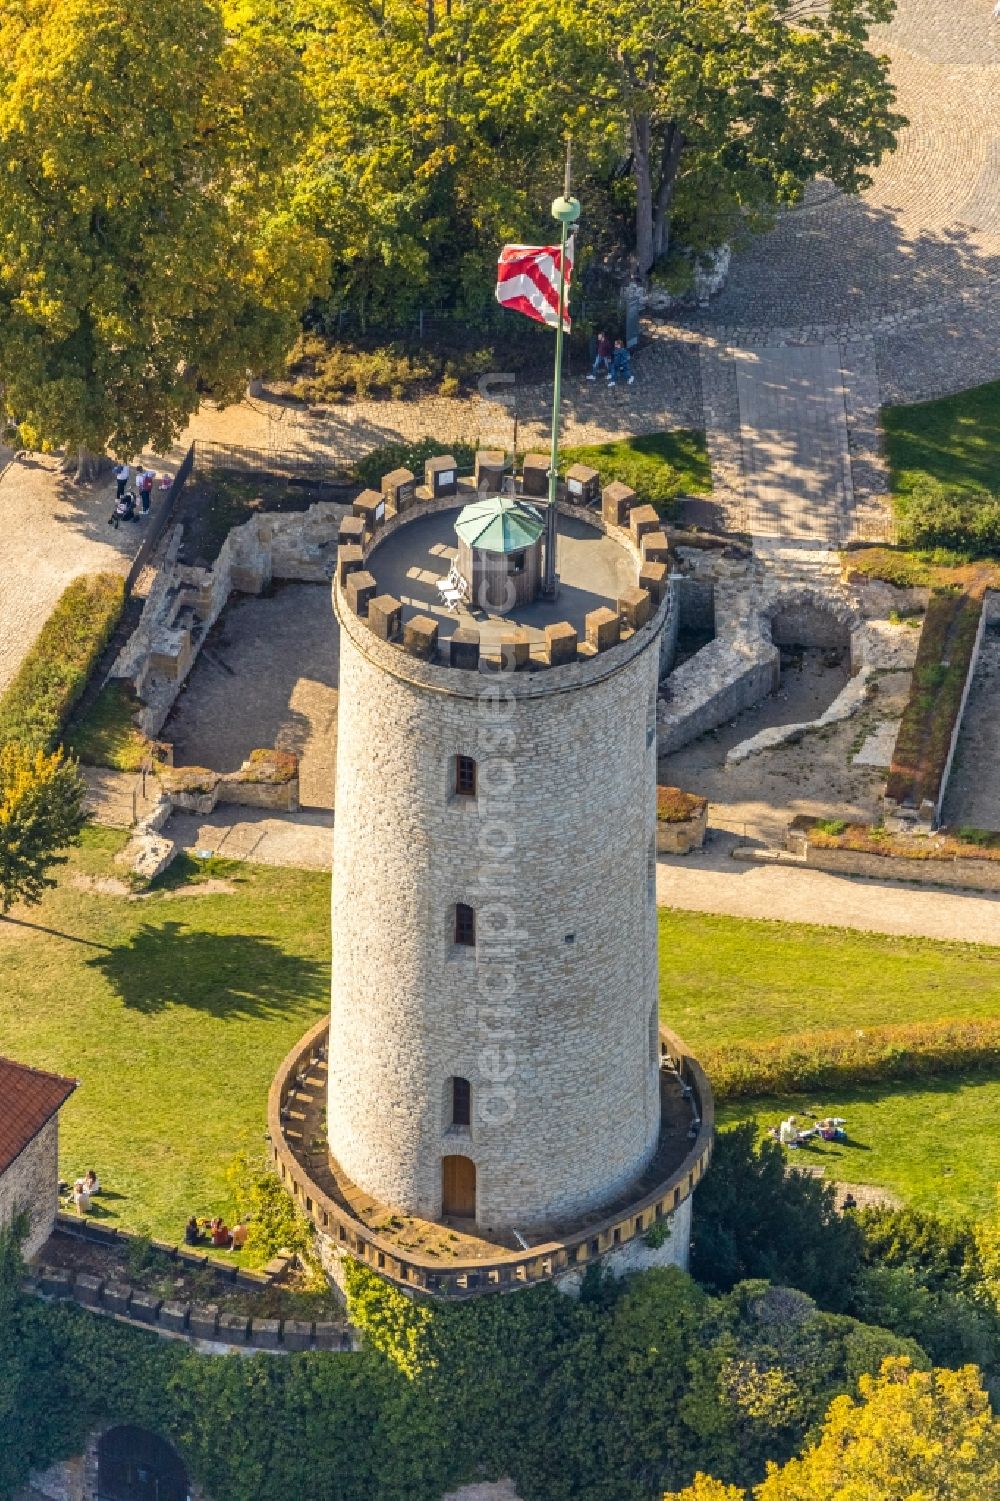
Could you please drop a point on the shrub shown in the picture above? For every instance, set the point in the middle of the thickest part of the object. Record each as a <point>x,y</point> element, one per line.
<point>851,1055</point>
<point>369,470</point>
<point>752,1219</point>
<point>54,673</point>
<point>936,515</point>
<point>675,806</point>
<point>924,1277</point>
<point>329,372</point>
<point>274,1222</point>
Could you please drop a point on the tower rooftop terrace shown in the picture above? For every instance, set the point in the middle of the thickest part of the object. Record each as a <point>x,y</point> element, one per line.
<point>593,567</point>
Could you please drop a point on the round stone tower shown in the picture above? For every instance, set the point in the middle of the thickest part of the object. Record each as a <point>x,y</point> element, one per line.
<point>493,1051</point>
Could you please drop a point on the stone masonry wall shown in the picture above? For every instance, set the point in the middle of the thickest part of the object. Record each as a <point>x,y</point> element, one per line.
<point>32,1183</point>
<point>559,845</point>
<point>638,1256</point>
<point>966,874</point>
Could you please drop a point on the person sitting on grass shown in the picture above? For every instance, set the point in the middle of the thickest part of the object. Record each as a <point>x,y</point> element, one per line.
<point>832,1128</point>
<point>219,1231</point>
<point>81,1198</point>
<point>789,1134</point>
<point>91,1182</point>
<point>192,1234</point>
<point>238,1239</point>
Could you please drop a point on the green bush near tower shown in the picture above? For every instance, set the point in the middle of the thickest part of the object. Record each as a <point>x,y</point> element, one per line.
<point>606,1399</point>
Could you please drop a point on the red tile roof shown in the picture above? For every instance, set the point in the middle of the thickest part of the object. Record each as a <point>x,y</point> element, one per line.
<point>29,1098</point>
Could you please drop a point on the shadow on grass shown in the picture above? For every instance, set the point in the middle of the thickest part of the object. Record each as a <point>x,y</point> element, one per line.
<point>39,927</point>
<point>222,974</point>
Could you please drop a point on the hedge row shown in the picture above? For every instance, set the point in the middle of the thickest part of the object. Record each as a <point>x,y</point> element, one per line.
<point>52,676</point>
<point>849,1055</point>
<point>947,642</point>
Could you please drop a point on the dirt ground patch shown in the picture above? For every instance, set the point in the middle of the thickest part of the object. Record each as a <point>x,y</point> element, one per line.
<point>266,676</point>
<point>973,797</point>
<point>815,776</point>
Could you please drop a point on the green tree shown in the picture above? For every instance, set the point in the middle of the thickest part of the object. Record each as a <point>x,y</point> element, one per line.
<point>429,153</point>
<point>987,1235</point>
<point>752,1219</point>
<point>923,1435</point>
<point>726,110</point>
<point>41,812</point>
<point>150,248</point>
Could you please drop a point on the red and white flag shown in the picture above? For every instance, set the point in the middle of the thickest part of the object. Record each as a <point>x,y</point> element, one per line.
<point>528,281</point>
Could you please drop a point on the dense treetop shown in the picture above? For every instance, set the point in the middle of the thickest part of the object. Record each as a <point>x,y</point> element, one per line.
<point>185,177</point>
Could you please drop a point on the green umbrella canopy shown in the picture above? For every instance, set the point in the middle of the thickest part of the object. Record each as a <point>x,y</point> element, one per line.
<point>499,524</point>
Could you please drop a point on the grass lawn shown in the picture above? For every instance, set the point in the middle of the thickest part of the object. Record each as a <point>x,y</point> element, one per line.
<point>658,466</point>
<point>105,734</point>
<point>935,1144</point>
<point>725,979</point>
<point>955,440</point>
<point>173,1010</point>
<point>728,977</point>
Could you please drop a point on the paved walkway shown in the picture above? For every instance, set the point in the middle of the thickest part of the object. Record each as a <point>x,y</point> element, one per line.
<point>303,840</point>
<point>714,882</point>
<point>793,424</point>
<point>707,882</point>
<point>52,532</point>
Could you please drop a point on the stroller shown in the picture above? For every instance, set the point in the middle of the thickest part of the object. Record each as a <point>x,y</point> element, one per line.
<point>124,510</point>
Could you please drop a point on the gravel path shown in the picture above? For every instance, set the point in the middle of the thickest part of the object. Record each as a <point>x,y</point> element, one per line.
<point>714,882</point>
<point>52,531</point>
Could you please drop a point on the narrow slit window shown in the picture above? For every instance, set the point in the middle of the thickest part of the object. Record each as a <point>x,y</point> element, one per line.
<point>465,776</point>
<point>465,926</point>
<point>461,1102</point>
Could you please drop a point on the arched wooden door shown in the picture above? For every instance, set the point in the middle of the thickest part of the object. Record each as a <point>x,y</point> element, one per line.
<point>458,1187</point>
<point>134,1464</point>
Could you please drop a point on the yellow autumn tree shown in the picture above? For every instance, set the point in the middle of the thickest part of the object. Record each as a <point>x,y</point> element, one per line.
<point>150,248</point>
<point>704,1488</point>
<point>914,1436</point>
<point>41,812</point>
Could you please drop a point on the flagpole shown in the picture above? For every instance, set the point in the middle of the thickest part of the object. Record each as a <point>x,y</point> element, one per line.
<point>566,211</point>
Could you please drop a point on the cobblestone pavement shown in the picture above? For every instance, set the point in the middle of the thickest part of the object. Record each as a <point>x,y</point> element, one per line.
<point>926,229</point>
<point>794,428</point>
<point>714,882</point>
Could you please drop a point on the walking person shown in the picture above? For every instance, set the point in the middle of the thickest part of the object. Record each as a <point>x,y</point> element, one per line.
<point>621,365</point>
<point>144,486</point>
<point>122,476</point>
<point>605,351</point>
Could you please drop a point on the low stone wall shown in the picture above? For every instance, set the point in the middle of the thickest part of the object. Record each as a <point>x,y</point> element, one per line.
<point>202,1324</point>
<point>754,606</point>
<point>925,818</point>
<point>969,873</point>
<point>267,779</point>
<point>712,687</point>
<point>681,836</point>
<point>184,602</point>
